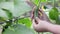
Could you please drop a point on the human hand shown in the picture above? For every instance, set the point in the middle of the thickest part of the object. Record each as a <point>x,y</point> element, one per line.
<point>41,25</point>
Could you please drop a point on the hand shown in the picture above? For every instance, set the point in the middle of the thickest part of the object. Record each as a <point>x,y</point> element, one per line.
<point>40,26</point>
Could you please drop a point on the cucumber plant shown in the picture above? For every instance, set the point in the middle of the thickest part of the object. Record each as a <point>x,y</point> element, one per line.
<point>38,5</point>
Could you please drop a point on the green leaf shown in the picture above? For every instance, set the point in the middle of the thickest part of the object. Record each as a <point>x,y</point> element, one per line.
<point>43,0</point>
<point>25,21</point>
<point>17,7</point>
<point>20,7</point>
<point>36,2</point>
<point>53,14</point>
<point>8,13</point>
<point>18,29</point>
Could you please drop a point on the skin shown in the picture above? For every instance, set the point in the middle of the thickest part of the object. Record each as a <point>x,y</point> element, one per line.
<point>44,26</point>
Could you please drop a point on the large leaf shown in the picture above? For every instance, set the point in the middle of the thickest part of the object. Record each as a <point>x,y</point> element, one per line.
<point>20,7</point>
<point>17,7</point>
<point>25,21</point>
<point>18,29</point>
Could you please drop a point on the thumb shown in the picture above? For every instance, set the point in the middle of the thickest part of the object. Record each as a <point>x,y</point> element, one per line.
<point>34,24</point>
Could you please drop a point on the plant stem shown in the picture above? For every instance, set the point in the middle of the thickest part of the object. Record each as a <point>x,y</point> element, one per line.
<point>53,3</point>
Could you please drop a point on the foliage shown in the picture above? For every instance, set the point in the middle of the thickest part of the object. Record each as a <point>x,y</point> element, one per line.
<point>18,29</point>
<point>53,13</point>
<point>8,13</point>
<point>25,21</point>
<point>14,8</point>
<point>10,10</point>
<point>36,2</point>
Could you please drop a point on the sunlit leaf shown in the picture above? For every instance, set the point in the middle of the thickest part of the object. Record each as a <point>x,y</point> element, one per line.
<point>25,21</point>
<point>43,0</point>
<point>36,2</point>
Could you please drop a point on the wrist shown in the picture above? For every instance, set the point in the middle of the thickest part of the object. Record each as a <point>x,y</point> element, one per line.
<point>49,26</point>
<point>53,28</point>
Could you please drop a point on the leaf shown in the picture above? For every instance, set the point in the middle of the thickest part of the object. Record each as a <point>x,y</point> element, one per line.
<point>20,7</point>
<point>53,14</point>
<point>18,29</point>
<point>7,6</point>
<point>36,2</point>
<point>17,7</point>
<point>25,21</point>
<point>8,13</point>
<point>43,0</point>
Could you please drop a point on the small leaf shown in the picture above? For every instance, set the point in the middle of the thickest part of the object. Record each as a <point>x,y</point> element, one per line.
<point>36,2</point>
<point>8,13</point>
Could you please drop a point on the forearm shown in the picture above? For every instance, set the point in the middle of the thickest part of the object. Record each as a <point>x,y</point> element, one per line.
<point>53,28</point>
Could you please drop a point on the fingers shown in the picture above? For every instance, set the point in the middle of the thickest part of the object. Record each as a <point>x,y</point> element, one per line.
<point>32,13</point>
<point>34,24</point>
